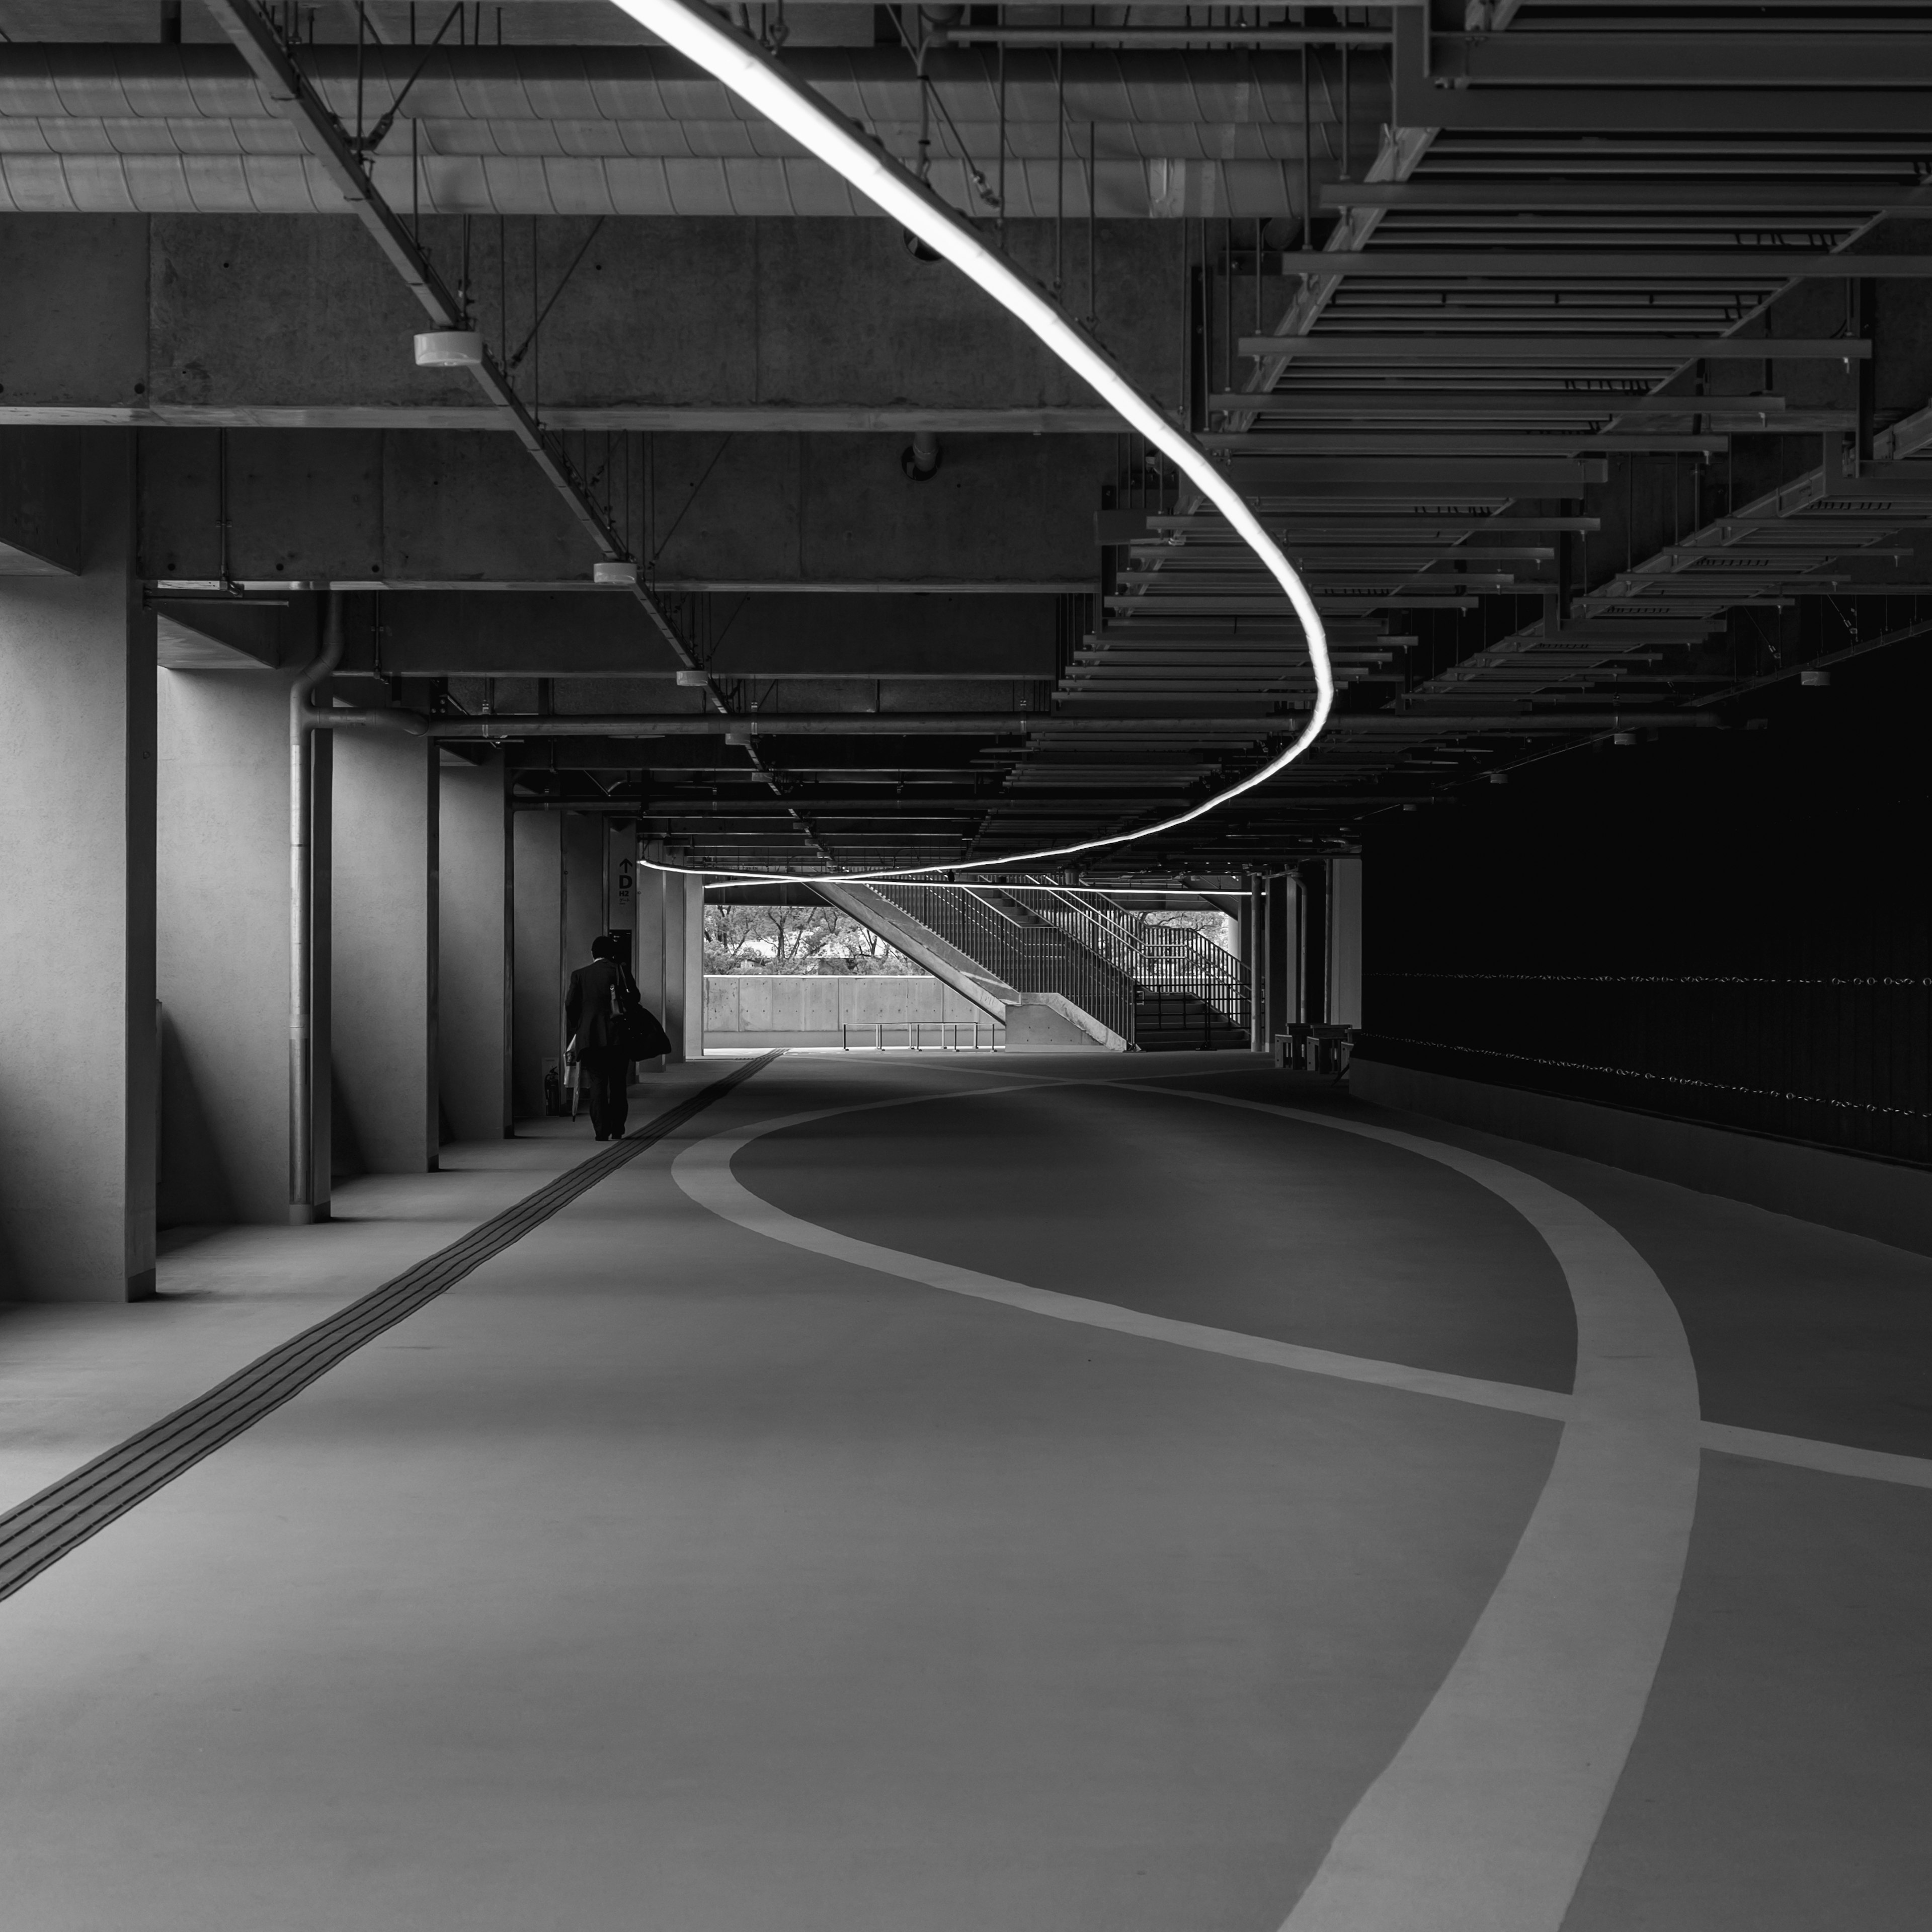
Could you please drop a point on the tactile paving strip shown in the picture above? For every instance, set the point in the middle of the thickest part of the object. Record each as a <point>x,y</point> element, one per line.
<point>40,1531</point>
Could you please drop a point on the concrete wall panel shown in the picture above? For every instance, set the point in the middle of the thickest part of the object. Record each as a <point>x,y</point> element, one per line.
<point>285,312</point>
<point>459,507</point>
<point>258,312</point>
<point>606,637</point>
<point>1887,1200</point>
<point>74,313</point>
<point>431,507</point>
<point>821,1004</point>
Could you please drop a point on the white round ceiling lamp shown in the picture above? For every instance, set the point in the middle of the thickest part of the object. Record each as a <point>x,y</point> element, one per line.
<point>751,74</point>
<point>449,349</point>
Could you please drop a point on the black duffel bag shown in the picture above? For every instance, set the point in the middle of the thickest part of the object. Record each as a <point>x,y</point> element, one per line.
<point>635,1032</point>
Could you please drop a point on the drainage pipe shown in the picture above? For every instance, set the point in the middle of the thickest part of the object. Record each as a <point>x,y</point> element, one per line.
<point>921,461</point>
<point>305,716</point>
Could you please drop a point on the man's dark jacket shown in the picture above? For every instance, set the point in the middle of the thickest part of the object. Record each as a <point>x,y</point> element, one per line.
<point>587,1005</point>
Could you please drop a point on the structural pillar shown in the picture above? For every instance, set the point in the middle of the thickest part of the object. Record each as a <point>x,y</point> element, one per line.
<point>1344,942</point>
<point>670,953</point>
<point>537,932</point>
<point>656,955</point>
<point>384,975</point>
<point>1251,936</point>
<point>1312,953</point>
<point>223,947</point>
<point>690,1011</point>
<point>79,1057</point>
<point>583,888</point>
<point>473,952</point>
<point>1280,948</point>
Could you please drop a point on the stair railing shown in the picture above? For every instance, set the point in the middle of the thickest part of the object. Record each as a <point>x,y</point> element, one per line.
<point>1169,959</point>
<point>1041,958</point>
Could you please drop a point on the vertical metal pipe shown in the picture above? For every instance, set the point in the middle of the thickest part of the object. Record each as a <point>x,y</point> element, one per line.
<point>1348,124</point>
<point>1059,168</point>
<point>1228,303</point>
<point>1307,153</point>
<point>1093,221</point>
<point>301,901</point>
<point>999,224</point>
<point>301,1156</point>
<point>1254,957</point>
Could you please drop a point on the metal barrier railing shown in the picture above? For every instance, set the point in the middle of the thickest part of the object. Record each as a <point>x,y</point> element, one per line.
<point>987,1036</point>
<point>1031,958</point>
<point>1162,957</point>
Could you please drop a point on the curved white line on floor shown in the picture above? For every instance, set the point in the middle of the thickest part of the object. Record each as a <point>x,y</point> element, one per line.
<point>1483,1820</point>
<point>1759,1445</point>
<point>704,1171</point>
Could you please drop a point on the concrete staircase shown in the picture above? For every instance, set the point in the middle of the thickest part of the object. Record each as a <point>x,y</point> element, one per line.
<point>1179,1023</point>
<point>1060,971</point>
<point>1036,1021</point>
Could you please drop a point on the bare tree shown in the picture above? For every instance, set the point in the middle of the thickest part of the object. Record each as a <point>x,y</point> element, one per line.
<point>789,940</point>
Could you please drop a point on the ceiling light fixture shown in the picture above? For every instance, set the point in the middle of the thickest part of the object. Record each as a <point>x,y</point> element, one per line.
<point>449,349</point>
<point>756,78</point>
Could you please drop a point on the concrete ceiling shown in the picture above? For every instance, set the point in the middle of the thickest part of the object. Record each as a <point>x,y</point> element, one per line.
<point>1570,453</point>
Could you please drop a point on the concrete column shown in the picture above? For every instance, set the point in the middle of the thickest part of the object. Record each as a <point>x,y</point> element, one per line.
<point>1281,932</point>
<point>670,954</point>
<point>322,978</point>
<point>537,929</point>
<point>582,895</point>
<point>1344,942</point>
<point>658,948</point>
<point>691,978</point>
<point>473,952</point>
<point>223,946</point>
<point>78,1052</point>
<point>1252,933</point>
<point>1312,951</point>
<point>384,973</point>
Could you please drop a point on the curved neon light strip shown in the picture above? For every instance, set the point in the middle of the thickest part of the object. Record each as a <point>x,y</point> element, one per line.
<point>756,78</point>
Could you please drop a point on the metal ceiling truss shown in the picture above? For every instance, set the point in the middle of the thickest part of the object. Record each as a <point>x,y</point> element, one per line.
<point>1556,255</point>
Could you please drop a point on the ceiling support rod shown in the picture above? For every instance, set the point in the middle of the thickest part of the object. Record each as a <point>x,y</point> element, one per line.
<point>254,33</point>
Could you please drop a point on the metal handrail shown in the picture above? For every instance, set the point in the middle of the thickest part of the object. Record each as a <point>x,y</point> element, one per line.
<point>1160,958</point>
<point>915,1031</point>
<point>1041,958</point>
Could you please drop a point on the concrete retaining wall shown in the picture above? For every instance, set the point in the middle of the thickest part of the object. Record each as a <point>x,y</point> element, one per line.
<point>1880,1198</point>
<point>809,1010</point>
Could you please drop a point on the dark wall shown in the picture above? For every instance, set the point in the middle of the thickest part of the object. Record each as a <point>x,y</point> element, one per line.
<point>1729,927</point>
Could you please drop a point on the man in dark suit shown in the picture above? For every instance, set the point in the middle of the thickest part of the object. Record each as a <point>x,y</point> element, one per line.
<point>590,1012</point>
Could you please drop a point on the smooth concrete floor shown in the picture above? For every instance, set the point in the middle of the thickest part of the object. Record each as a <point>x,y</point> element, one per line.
<point>666,1575</point>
